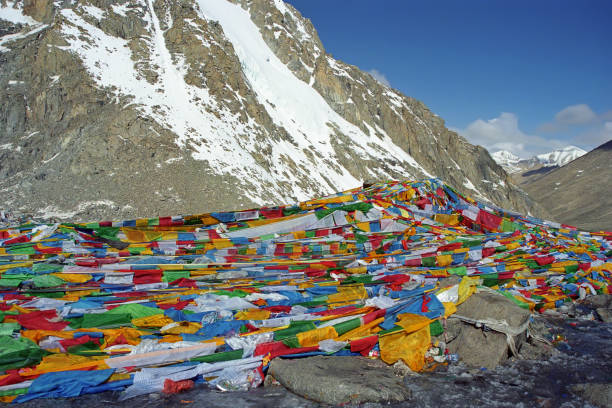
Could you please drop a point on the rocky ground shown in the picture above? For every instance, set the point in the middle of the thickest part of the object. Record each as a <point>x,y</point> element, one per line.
<point>564,361</point>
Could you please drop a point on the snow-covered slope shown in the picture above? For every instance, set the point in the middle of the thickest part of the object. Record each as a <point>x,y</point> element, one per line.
<point>292,104</point>
<point>15,15</point>
<point>150,107</point>
<point>315,125</point>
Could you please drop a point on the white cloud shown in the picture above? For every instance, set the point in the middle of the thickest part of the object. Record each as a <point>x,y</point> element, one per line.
<point>503,133</point>
<point>576,115</point>
<point>550,127</point>
<point>379,76</point>
<point>596,136</point>
<point>589,129</point>
<point>573,115</point>
<point>606,115</point>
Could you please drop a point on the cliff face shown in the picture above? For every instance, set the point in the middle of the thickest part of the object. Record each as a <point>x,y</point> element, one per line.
<point>118,109</point>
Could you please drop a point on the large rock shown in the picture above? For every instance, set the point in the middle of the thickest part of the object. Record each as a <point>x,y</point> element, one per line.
<point>599,395</point>
<point>605,315</point>
<point>340,380</point>
<point>598,301</point>
<point>602,305</point>
<point>479,346</point>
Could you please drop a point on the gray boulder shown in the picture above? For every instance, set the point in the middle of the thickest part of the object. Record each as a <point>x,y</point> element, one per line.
<point>605,314</point>
<point>598,301</point>
<point>602,305</point>
<point>475,343</point>
<point>340,380</point>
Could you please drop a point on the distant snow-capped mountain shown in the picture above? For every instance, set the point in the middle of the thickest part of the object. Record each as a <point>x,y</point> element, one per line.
<point>557,158</point>
<point>560,157</point>
<point>507,160</point>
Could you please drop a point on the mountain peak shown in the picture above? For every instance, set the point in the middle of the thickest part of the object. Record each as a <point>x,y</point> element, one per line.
<point>505,155</point>
<point>557,158</point>
<point>509,161</point>
<point>560,157</point>
<point>202,105</point>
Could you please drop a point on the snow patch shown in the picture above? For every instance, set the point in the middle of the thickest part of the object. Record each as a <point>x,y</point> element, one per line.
<point>468,184</point>
<point>95,12</point>
<point>120,9</point>
<point>282,7</point>
<point>15,16</point>
<point>48,160</point>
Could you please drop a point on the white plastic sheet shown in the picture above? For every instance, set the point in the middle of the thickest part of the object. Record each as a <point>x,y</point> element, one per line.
<point>161,356</point>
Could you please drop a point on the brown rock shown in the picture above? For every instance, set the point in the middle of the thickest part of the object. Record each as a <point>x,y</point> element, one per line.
<point>340,380</point>
<point>478,346</point>
<point>40,10</point>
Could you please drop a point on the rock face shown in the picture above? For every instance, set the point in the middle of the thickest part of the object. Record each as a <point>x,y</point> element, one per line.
<point>478,346</point>
<point>134,108</point>
<point>578,193</point>
<point>340,380</point>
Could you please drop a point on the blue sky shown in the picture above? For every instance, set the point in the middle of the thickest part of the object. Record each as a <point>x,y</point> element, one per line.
<point>537,73</point>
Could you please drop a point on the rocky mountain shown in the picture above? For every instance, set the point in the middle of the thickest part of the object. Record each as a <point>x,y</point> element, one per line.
<point>551,160</point>
<point>118,109</point>
<point>578,193</point>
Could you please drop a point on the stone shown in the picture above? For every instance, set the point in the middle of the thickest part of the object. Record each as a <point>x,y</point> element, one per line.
<point>598,301</point>
<point>480,347</point>
<point>545,402</point>
<point>605,315</point>
<point>536,351</point>
<point>270,381</point>
<point>401,369</point>
<point>599,395</point>
<point>340,380</point>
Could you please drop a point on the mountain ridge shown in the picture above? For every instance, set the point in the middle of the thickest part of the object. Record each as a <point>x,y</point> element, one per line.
<point>577,193</point>
<point>184,118</point>
<point>555,158</point>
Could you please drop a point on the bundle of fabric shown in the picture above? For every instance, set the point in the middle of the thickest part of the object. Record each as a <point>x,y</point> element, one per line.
<point>151,304</point>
